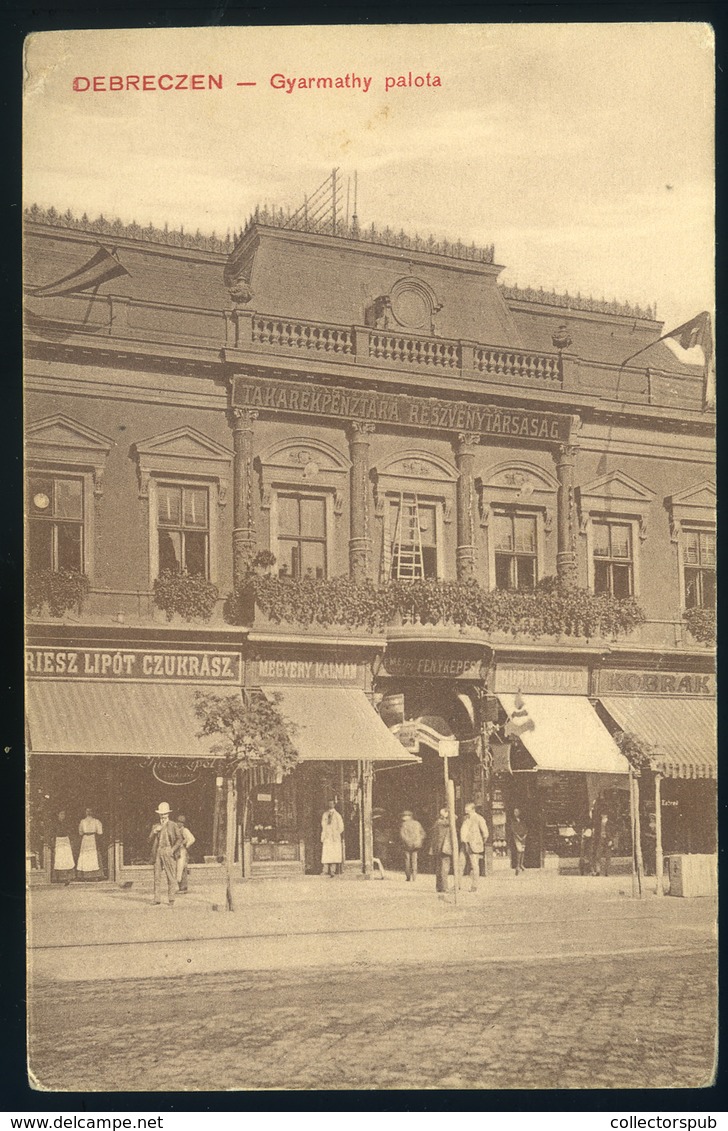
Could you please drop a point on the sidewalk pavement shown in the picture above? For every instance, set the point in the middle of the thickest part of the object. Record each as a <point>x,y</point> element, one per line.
<point>100,932</point>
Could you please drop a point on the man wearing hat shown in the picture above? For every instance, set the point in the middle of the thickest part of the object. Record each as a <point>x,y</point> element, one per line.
<point>166,840</point>
<point>412,837</point>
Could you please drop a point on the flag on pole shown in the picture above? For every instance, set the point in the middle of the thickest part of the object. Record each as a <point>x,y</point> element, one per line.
<point>696,338</point>
<point>520,721</point>
<point>102,266</point>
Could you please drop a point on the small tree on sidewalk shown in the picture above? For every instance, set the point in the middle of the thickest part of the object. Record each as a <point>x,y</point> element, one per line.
<point>256,746</point>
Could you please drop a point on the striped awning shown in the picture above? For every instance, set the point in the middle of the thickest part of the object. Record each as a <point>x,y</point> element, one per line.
<point>127,719</point>
<point>683,731</point>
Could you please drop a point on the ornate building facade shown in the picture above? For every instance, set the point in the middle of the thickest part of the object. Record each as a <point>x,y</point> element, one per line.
<point>349,471</point>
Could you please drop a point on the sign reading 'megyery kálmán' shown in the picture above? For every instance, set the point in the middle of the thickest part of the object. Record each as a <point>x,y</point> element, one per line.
<point>399,409</point>
<point>132,664</point>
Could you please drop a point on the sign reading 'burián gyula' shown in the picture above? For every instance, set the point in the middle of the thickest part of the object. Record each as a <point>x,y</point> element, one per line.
<point>399,409</point>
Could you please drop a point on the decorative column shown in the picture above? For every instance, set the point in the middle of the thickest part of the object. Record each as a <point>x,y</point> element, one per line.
<point>360,550</point>
<point>241,422</point>
<point>565,456</point>
<point>464,461</point>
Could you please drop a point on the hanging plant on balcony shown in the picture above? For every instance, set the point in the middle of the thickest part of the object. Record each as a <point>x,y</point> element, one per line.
<point>59,589</point>
<point>547,611</point>
<point>190,596</point>
<point>702,624</point>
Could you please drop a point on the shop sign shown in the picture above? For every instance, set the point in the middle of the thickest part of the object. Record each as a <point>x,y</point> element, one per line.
<point>133,664</point>
<point>616,682</point>
<point>407,735</point>
<point>400,409</point>
<point>176,771</point>
<point>541,680</point>
<point>432,666</point>
<point>449,748</point>
<point>305,671</point>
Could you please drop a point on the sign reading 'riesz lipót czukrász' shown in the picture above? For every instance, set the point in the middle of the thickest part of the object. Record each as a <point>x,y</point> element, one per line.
<point>399,409</point>
<point>132,664</point>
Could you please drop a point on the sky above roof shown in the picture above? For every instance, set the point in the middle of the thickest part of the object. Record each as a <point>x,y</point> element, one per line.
<point>583,152</point>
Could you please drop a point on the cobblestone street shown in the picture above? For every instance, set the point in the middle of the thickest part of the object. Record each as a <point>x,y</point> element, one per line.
<point>637,1021</point>
<point>549,983</point>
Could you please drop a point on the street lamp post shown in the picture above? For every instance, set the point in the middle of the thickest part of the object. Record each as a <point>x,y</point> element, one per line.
<point>450,748</point>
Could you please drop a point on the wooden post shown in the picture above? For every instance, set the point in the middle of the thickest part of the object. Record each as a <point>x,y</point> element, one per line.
<point>450,793</point>
<point>632,833</point>
<point>230,831</point>
<point>367,836</point>
<point>638,838</point>
<point>658,836</point>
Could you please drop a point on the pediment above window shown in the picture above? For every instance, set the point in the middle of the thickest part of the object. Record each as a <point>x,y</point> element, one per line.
<point>63,442</point>
<point>416,464</point>
<point>517,483</point>
<point>301,461</point>
<point>615,493</point>
<point>518,480</point>
<point>694,504</point>
<point>184,452</point>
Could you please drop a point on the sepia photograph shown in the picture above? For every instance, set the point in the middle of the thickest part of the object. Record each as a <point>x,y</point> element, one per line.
<point>370,557</point>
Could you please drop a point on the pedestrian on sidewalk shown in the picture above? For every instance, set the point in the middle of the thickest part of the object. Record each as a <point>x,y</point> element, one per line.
<point>473,837</point>
<point>412,837</point>
<point>604,846</point>
<point>441,849</point>
<point>332,844</point>
<point>586,851</point>
<point>64,866</point>
<point>166,840</point>
<point>88,865</point>
<point>183,856</point>
<point>519,832</point>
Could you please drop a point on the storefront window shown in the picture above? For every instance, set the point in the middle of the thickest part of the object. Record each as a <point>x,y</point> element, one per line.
<point>55,523</point>
<point>274,822</point>
<point>699,567</point>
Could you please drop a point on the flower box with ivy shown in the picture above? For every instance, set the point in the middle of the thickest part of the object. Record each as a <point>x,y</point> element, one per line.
<point>189,596</point>
<point>702,624</point>
<point>58,590</point>
<point>342,602</point>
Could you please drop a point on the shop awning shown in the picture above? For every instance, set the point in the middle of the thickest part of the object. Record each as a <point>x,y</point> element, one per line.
<point>564,732</point>
<point>683,731</point>
<point>332,724</point>
<point>128,719</point>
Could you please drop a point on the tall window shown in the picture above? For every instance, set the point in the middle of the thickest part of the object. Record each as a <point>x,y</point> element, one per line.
<point>515,551</point>
<point>405,518</point>
<point>613,560</point>
<point>301,536</point>
<point>55,522</point>
<point>183,529</point>
<point>699,567</point>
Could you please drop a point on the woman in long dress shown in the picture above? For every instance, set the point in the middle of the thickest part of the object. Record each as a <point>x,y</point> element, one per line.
<point>332,846</point>
<point>64,866</point>
<point>88,866</point>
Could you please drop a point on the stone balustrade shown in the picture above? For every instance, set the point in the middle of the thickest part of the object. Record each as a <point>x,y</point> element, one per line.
<point>301,335</point>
